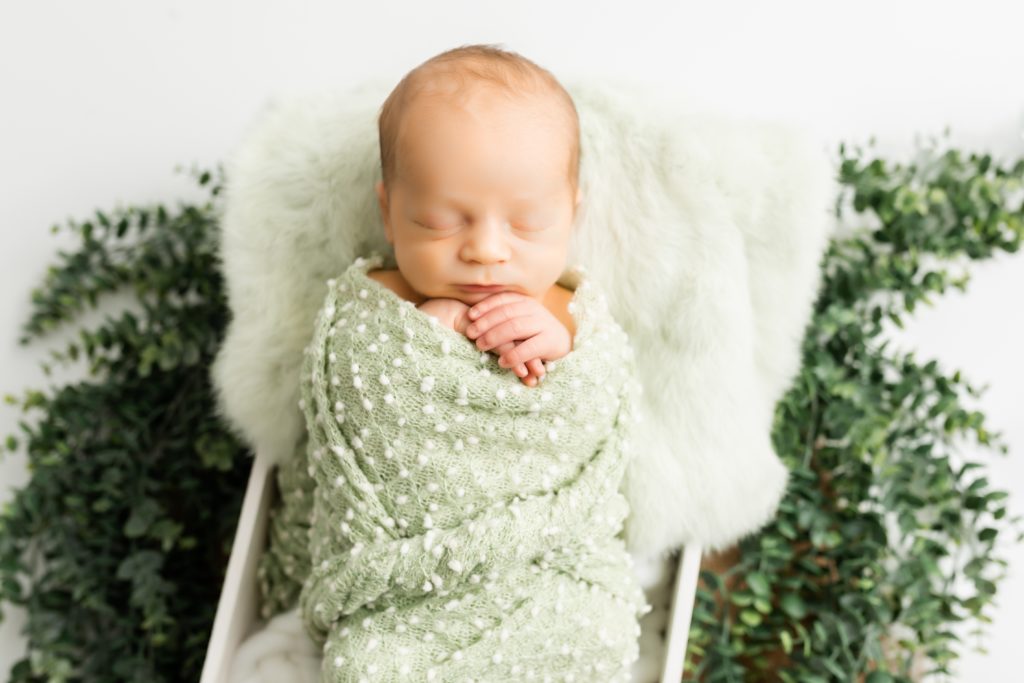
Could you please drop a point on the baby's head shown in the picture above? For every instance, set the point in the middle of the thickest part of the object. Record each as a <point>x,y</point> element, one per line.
<point>480,165</point>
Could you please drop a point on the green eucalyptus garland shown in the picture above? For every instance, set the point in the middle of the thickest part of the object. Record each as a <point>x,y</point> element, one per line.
<point>853,580</point>
<point>118,544</point>
<point>123,531</point>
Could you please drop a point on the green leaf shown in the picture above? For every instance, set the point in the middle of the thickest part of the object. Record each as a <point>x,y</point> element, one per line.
<point>758,583</point>
<point>741,598</point>
<point>787,642</point>
<point>750,617</point>
<point>142,516</point>
<point>793,605</point>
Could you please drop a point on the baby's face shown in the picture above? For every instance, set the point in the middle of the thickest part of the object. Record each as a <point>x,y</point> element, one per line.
<point>481,196</point>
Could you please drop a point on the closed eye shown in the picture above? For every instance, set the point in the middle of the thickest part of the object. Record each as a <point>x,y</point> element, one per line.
<point>527,228</point>
<point>429,227</point>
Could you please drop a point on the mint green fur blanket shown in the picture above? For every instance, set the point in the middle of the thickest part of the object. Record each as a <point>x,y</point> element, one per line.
<point>458,525</point>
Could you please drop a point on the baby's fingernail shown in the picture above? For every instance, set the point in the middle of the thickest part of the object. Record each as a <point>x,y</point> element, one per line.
<point>472,314</point>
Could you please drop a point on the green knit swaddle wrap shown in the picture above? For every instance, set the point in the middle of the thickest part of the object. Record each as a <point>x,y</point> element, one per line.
<point>464,526</point>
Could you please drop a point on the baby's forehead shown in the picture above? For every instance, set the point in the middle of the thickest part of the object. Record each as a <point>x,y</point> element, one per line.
<point>436,115</point>
<point>529,110</point>
<point>485,101</point>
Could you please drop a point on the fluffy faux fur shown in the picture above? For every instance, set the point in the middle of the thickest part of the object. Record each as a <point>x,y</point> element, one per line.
<point>705,232</point>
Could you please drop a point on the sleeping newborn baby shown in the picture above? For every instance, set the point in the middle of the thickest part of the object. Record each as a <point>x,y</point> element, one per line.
<point>463,527</point>
<point>479,193</point>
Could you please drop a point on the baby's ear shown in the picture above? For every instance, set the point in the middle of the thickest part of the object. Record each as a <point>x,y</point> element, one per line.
<point>576,206</point>
<point>382,201</point>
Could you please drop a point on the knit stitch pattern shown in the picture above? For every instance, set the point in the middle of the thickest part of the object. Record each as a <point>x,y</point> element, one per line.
<point>465,527</point>
<point>284,563</point>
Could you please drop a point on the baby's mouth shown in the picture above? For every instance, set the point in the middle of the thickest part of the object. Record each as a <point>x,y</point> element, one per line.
<point>482,288</point>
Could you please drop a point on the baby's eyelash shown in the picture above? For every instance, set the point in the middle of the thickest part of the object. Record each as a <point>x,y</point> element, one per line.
<point>527,228</point>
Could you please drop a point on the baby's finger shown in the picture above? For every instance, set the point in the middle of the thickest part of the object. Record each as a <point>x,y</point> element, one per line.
<point>536,367</point>
<point>494,301</point>
<point>507,346</point>
<point>534,347</point>
<point>490,317</point>
<point>520,369</point>
<point>529,378</point>
<point>518,328</point>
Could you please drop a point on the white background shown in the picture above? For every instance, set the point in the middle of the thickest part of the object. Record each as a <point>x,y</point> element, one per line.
<point>99,102</point>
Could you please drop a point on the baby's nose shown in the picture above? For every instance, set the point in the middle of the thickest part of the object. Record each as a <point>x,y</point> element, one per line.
<point>486,243</point>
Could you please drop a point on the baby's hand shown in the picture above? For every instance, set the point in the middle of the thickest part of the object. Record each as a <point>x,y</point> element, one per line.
<point>509,317</point>
<point>453,314</point>
<point>450,312</point>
